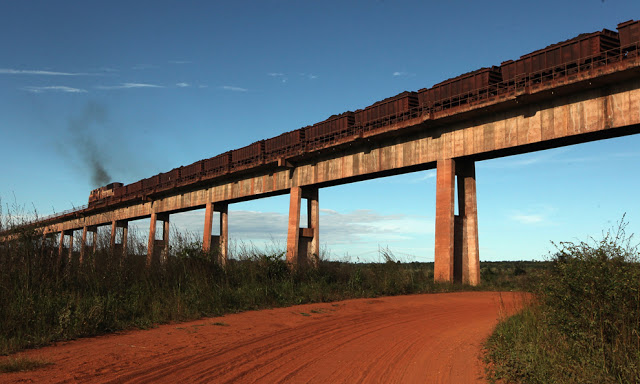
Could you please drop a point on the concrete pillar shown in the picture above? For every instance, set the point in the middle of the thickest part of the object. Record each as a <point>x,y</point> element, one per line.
<point>157,249</point>
<point>70,254</point>
<point>303,241</point>
<point>219,243</point>
<point>456,245</point>
<point>468,211</point>
<point>83,245</point>
<point>445,200</point>
<point>223,240</point>
<point>119,246</point>
<point>293,233</point>
<point>60,248</point>
<point>208,226</point>
<point>309,244</point>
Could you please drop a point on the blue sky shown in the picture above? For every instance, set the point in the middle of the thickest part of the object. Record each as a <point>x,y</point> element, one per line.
<point>147,86</point>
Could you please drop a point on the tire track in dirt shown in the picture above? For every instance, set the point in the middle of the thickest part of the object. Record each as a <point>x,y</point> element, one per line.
<point>434,338</point>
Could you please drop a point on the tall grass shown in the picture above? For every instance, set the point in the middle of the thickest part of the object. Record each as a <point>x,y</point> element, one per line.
<point>43,301</point>
<point>585,325</point>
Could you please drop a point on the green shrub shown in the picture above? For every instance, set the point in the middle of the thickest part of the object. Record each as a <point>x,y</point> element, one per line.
<point>585,327</point>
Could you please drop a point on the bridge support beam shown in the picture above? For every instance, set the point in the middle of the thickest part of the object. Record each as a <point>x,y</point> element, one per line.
<point>303,244</point>
<point>219,243</point>
<point>157,249</point>
<point>456,239</point>
<point>62,249</point>
<point>83,247</point>
<point>119,247</point>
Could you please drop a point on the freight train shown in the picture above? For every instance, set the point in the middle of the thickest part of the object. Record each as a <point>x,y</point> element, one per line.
<point>582,53</point>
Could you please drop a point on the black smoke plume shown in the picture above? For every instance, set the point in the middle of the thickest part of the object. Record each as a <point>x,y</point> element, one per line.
<point>85,136</point>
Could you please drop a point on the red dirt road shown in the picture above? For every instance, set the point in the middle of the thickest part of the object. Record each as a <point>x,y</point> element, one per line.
<point>433,338</point>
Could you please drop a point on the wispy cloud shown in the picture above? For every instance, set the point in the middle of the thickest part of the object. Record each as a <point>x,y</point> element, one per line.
<point>309,76</point>
<point>54,88</point>
<point>278,75</point>
<point>336,228</point>
<point>233,88</point>
<point>527,219</point>
<point>144,66</point>
<point>180,62</point>
<point>626,154</point>
<point>182,85</point>
<point>425,175</point>
<point>9,71</point>
<point>402,74</point>
<point>129,86</point>
<point>537,215</point>
<point>528,159</point>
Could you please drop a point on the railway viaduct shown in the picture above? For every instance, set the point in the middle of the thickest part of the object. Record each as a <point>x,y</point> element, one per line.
<point>595,104</point>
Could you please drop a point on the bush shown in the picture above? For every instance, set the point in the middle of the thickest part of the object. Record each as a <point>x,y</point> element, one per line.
<point>585,326</point>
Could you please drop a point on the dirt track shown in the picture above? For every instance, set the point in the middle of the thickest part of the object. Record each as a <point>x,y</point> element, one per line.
<point>406,339</point>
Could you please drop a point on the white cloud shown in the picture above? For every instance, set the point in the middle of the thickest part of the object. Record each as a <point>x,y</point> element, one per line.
<point>129,86</point>
<point>182,85</point>
<point>426,175</point>
<point>144,66</point>
<point>232,88</point>
<point>527,219</point>
<point>402,74</point>
<point>309,76</point>
<point>359,226</point>
<point>278,75</point>
<point>8,71</point>
<point>180,62</point>
<point>528,159</point>
<point>55,88</point>
<point>537,215</point>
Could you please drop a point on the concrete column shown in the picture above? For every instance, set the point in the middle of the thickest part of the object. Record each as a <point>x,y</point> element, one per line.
<point>293,234</point>
<point>303,244</point>
<point>157,249</point>
<point>83,245</point>
<point>456,245</point>
<point>208,226</point>
<point>119,247</point>
<point>114,232</point>
<point>94,240</point>
<point>60,248</point>
<point>312,233</point>
<point>220,243</point>
<point>223,240</point>
<point>468,211</point>
<point>125,236</point>
<point>445,200</point>
<point>151,245</point>
<point>70,254</point>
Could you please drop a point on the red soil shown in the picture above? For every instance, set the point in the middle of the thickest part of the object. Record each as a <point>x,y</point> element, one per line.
<point>435,338</point>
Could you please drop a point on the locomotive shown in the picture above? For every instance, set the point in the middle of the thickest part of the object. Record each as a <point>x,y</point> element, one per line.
<point>559,60</point>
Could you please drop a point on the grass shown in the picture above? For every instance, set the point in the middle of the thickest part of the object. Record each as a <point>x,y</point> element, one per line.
<point>44,302</point>
<point>22,364</point>
<point>584,326</point>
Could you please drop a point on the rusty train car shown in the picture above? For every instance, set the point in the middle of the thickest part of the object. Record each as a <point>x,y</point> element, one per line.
<point>580,53</point>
